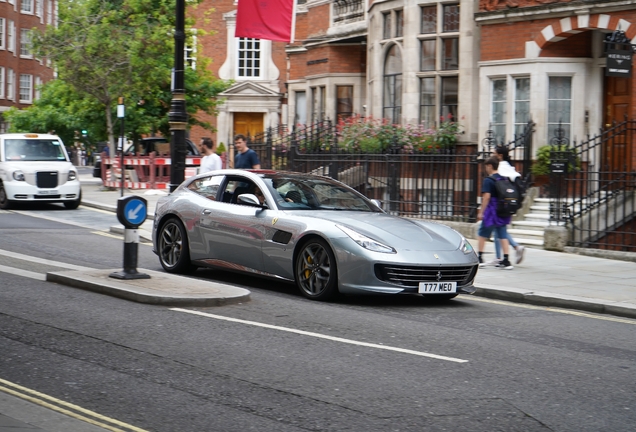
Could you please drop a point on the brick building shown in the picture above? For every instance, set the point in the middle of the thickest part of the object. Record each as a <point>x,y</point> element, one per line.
<point>397,59</point>
<point>546,61</point>
<point>490,64</point>
<point>20,72</point>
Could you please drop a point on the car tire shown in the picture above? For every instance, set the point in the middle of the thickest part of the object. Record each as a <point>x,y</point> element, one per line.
<point>72,205</point>
<point>315,270</point>
<point>172,247</point>
<point>4,200</point>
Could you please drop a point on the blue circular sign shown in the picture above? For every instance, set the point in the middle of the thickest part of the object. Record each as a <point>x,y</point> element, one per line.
<point>132,211</point>
<point>135,212</point>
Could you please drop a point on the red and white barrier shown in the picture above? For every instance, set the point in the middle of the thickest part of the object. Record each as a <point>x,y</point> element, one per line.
<point>144,172</point>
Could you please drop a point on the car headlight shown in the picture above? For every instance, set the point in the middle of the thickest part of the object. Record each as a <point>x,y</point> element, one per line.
<point>366,242</point>
<point>465,247</point>
<point>18,175</point>
<point>72,175</point>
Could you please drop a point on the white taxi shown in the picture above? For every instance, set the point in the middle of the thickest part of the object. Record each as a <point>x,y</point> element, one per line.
<point>37,168</point>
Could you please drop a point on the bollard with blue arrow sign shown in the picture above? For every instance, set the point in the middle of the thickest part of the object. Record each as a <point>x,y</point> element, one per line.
<point>131,213</point>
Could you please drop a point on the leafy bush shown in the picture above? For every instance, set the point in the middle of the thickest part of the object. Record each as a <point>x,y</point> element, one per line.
<point>542,165</point>
<point>368,135</point>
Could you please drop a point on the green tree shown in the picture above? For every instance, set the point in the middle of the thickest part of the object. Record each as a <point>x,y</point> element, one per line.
<point>106,49</point>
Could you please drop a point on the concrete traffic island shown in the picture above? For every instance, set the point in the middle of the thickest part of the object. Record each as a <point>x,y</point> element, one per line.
<point>160,289</point>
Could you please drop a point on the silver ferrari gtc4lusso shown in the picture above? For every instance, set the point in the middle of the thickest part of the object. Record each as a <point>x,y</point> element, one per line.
<point>312,230</point>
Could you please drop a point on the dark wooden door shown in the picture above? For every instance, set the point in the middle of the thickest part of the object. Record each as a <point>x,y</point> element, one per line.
<point>617,152</point>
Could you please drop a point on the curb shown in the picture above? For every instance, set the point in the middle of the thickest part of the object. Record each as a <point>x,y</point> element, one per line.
<point>157,290</point>
<point>540,298</point>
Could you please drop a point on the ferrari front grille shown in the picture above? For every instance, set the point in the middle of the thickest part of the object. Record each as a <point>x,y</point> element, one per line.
<point>411,276</point>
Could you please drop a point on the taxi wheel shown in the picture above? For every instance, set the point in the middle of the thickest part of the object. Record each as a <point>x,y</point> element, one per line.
<point>72,205</point>
<point>315,271</point>
<point>172,247</point>
<point>4,200</point>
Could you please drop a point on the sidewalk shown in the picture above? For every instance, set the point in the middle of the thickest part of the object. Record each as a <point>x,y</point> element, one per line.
<point>558,279</point>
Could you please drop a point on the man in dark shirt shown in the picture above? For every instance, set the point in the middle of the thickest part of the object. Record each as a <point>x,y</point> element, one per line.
<point>490,221</point>
<point>245,157</point>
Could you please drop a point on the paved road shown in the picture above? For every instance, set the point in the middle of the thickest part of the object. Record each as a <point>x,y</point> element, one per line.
<point>282,363</point>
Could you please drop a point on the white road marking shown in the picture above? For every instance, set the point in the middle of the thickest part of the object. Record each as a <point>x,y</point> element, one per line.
<point>23,273</point>
<point>42,260</point>
<point>322,336</point>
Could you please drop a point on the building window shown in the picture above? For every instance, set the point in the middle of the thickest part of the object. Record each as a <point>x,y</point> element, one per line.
<point>559,105</point>
<point>450,98</point>
<point>3,33</point>
<point>439,53</point>
<point>11,36</point>
<point>26,88</point>
<point>39,9</point>
<point>190,51</point>
<point>10,84</point>
<point>450,54</point>
<point>249,58</point>
<point>301,108</point>
<point>25,43</point>
<point>38,88</point>
<point>429,19</point>
<point>499,109</point>
<point>344,102</point>
<point>26,6</point>
<point>392,94</point>
<point>318,96</point>
<point>522,105</point>
<point>49,12</point>
<point>427,102</point>
<point>386,25</point>
<point>2,82</point>
<point>451,18</point>
<point>399,23</point>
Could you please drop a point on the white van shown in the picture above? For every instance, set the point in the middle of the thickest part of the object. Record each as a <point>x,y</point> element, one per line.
<point>37,168</point>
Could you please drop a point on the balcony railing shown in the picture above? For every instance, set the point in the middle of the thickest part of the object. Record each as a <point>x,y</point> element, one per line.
<point>348,11</point>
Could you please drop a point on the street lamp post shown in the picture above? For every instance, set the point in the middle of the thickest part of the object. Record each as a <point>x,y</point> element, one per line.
<point>178,116</point>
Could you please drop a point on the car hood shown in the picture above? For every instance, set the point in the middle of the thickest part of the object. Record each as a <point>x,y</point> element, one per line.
<point>33,166</point>
<point>398,232</point>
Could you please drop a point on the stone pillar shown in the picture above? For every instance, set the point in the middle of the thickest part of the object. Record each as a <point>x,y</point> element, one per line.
<point>555,238</point>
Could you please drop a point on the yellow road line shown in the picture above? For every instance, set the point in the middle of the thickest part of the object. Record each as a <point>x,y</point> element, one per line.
<point>40,399</point>
<point>552,309</point>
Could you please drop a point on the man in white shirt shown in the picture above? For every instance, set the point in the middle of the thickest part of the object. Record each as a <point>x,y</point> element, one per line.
<point>210,161</point>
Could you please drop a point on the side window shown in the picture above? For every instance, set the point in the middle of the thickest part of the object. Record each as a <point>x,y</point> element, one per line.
<point>207,186</point>
<point>236,187</point>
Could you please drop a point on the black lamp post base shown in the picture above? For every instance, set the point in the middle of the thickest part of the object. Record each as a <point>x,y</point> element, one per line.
<point>129,275</point>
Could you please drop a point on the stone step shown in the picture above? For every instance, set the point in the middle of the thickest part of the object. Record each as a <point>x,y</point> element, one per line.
<point>530,233</point>
<point>541,225</point>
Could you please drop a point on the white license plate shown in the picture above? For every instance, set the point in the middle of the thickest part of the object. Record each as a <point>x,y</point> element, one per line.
<point>48,192</point>
<point>437,287</point>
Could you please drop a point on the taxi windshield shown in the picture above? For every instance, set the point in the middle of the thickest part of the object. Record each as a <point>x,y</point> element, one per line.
<point>33,150</point>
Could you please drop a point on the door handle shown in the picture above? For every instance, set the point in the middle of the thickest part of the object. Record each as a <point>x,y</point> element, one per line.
<point>207,211</point>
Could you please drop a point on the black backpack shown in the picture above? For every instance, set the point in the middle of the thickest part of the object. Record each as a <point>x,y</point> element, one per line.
<point>508,196</point>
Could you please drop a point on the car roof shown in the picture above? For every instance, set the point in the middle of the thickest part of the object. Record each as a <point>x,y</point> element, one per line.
<point>28,136</point>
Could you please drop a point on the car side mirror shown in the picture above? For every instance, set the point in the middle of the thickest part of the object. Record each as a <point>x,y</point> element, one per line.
<point>250,199</point>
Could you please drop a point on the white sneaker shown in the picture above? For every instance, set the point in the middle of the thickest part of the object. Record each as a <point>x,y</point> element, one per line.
<point>493,263</point>
<point>519,254</point>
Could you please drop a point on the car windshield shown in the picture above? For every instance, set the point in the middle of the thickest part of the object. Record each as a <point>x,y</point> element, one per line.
<point>315,193</point>
<point>33,150</point>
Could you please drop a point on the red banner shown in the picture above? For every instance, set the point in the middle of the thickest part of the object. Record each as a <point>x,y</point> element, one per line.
<point>265,19</point>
